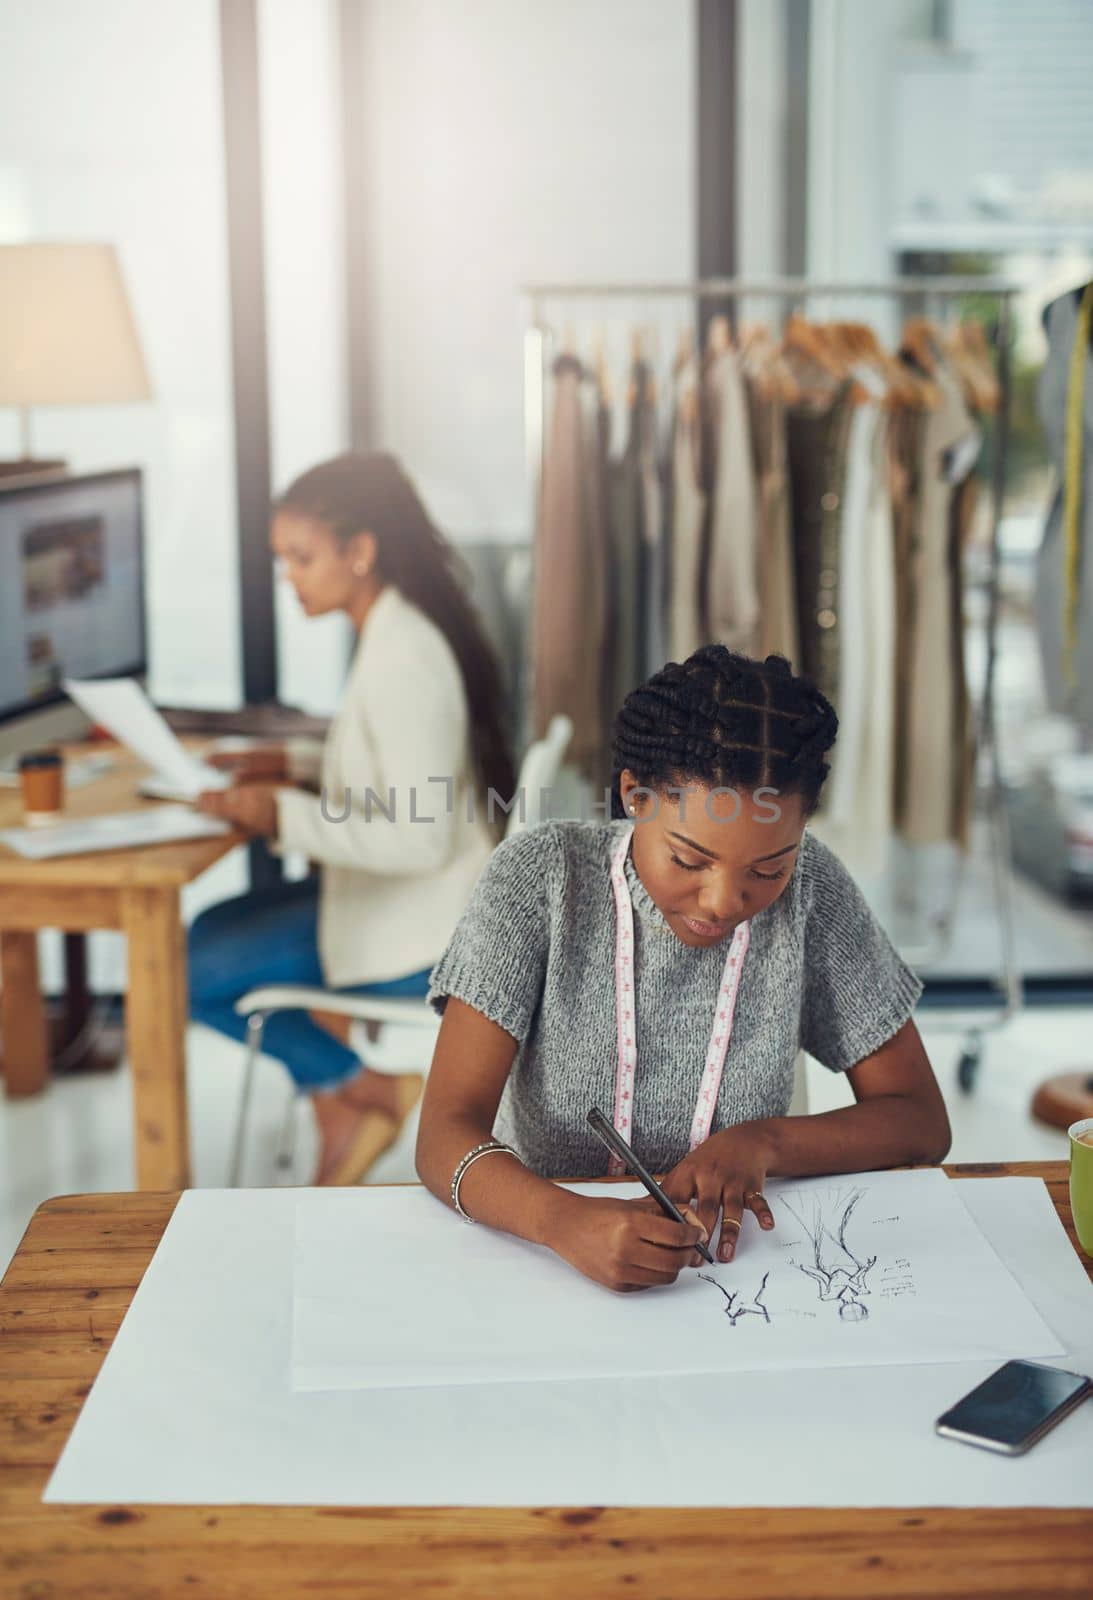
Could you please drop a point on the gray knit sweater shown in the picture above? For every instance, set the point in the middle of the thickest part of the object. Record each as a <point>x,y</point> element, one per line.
<point>535,952</point>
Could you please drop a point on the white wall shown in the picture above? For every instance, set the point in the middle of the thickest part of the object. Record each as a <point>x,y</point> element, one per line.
<point>761,118</point>
<point>506,142</point>
<point>854,51</point>
<point>1003,121</point>
<point>511,140</point>
<point>305,300</point>
<point>110,128</point>
<point>1033,109</point>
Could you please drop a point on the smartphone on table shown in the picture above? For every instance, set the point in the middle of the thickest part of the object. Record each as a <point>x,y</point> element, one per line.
<point>1014,1407</point>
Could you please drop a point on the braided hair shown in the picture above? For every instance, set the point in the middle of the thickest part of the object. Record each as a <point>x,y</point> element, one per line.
<point>722,720</point>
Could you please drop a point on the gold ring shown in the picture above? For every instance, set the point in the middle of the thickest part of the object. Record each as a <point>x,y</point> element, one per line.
<point>755,1194</point>
<point>729,1222</point>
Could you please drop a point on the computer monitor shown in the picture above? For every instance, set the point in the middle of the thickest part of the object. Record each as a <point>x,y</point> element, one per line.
<point>71,590</point>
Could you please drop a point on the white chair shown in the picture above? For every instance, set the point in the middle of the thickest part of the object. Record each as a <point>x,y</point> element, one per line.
<point>538,772</point>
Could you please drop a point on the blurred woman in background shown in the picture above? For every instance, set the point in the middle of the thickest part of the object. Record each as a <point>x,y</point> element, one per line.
<point>392,807</point>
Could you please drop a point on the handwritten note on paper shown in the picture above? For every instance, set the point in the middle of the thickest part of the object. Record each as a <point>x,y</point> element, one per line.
<point>390,1290</point>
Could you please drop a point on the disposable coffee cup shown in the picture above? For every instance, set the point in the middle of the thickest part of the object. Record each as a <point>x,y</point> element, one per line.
<point>1081,1181</point>
<point>42,775</point>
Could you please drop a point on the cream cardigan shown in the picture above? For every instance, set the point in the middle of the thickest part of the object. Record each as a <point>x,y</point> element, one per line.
<point>397,828</point>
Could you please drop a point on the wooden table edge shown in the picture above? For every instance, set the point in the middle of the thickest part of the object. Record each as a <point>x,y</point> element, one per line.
<point>1049,1171</point>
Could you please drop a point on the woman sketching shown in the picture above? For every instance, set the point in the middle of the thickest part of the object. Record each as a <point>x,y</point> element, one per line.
<point>667,965</point>
<point>392,807</point>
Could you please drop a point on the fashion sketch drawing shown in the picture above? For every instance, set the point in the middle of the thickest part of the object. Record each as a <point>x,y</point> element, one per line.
<point>838,1272</point>
<point>736,1306</point>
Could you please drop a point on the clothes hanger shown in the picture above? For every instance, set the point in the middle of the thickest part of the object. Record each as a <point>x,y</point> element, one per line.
<point>919,340</point>
<point>762,362</point>
<point>718,336</point>
<point>972,358</point>
<point>813,341</point>
<point>754,344</point>
<point>685,346</point>
<point>864,349</point>
<point>601,371</point>
<point>687,400</point>
<point>811,360</point>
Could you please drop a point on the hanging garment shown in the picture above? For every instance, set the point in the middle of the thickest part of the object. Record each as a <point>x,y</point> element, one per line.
<point>1064,579</point>
<point>933,761</point>
<point>626,668</point>
<point>688,517</point>
<point>905,430</point>
<point>732,571</point>
<point>778,633</point>
<point>857,808</point>
<point>569,613</point>
<point>816,438</point>
<point>596,497</point>
<point>653,504</point>
<point>962,517</point>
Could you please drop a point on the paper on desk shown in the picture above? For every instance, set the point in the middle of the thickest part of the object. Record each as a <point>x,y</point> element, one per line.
<point>121,705</point>
<point>879,1267</point>
<point>193,1405</point>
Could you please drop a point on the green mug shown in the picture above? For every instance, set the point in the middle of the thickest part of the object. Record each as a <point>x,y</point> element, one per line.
<point>1081,1181</point>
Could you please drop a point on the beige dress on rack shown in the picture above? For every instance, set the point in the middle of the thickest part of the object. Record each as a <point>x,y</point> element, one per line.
<point>732,581</point>
<point>856,819</point>
<point>933,759</point>
<point>569,620</point>
<point>776,572</point>
<point>685,630</point>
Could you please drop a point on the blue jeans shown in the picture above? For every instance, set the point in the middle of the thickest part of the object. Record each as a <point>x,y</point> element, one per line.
<point>271,936</point>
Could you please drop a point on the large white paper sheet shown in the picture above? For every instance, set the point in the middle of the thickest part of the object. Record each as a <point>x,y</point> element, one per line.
<point>193,1405</point>
<point>121,705</point>
<point>881,1267</point>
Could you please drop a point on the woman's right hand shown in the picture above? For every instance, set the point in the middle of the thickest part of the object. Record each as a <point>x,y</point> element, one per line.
<point>624,1244</point>
<point>261,764</point>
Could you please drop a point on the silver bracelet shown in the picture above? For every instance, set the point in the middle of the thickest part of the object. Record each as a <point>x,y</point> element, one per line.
<point>480,1150</point>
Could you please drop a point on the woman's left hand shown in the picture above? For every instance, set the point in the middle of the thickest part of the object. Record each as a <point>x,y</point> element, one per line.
<point>721,1180</point>
<point>250,806</point>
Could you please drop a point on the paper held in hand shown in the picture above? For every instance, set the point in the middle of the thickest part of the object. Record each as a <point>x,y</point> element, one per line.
<point>121,705</point>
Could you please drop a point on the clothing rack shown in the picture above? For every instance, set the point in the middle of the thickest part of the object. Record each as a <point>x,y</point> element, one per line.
<point>794,293</point>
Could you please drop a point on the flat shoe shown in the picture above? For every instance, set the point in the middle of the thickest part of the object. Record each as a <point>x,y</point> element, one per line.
<point>376,1133</point>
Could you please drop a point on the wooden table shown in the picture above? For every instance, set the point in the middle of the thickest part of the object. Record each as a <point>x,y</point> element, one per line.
<point>136,891</point>
<point>61,1303</point>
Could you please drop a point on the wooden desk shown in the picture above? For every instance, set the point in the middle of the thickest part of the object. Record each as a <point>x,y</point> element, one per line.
<point>61,1303</point>
<point>136,891</point>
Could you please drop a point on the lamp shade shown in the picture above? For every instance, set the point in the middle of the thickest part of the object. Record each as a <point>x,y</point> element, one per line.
<point>67,335</point>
